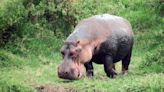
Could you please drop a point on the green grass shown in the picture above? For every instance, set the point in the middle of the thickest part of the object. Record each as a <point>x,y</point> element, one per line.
<point>29,60</point>
<point>25,73</point>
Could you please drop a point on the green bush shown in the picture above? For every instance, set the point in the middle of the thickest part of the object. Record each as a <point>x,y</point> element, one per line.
<point>11,13</point>
<point>60,17</point>
<point>54,16</point>
<point>31,32</point>
<point>37,40</point>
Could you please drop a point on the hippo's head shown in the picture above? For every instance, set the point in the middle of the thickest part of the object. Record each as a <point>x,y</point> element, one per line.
<point>74,56</point>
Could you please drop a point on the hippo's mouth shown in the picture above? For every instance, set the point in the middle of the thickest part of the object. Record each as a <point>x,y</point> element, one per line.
<point>73,71</point>
<point>73,76</point>
<point>70,77</point>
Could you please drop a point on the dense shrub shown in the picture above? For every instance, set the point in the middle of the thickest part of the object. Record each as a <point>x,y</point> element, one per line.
<point>25,23</point>
<point>54,15</point>
<point>61,16</point>
<point>46,14</point>
<point>37,40</point>
<point>31,34</point>
<point>11,13</point>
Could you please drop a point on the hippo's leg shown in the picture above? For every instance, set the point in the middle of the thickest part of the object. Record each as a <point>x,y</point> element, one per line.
<point>113,66</point>
<point>108,67</point>
<point>125,64</point>
<point>89,69</point>
<point>114,69</point>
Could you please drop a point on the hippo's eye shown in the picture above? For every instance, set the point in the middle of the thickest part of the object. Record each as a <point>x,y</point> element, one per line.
<point>78,50</point>
<point>71,53</point>
<point>62,52</point>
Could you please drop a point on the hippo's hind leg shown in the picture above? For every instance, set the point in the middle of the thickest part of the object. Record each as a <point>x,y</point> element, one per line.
<point>108,66</point>
<point>113,66</point>
<point>89,69</point>
<point>125,63</point>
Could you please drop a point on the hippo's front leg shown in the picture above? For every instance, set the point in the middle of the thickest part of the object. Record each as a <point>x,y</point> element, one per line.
<point>108,67</point>
<point>89,69</point>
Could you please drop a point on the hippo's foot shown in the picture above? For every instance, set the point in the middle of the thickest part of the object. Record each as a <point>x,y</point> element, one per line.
<point>111,73</point>
<point>89,73</point>
<point>125,72</point>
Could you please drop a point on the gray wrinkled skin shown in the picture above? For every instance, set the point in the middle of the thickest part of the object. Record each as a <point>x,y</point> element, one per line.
<point>103,39</point>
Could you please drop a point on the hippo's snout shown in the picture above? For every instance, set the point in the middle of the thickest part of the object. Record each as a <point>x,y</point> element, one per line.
<point>71,74</point>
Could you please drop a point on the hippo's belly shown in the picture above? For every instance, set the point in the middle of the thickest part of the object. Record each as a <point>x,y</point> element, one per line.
<point>118,50</point>
<point>99,58</point>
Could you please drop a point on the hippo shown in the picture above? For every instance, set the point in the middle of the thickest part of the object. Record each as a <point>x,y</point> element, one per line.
<point>102,39</point>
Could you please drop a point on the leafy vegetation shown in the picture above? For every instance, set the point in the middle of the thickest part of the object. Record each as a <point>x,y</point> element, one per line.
<point>32,32</point>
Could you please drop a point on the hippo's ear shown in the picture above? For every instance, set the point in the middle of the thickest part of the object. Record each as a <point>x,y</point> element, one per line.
<point>78,50</point>
<point>77,43</point>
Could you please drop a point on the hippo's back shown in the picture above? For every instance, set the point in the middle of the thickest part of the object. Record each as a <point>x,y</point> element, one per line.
<point>100,27</point>
<point>113,33</point>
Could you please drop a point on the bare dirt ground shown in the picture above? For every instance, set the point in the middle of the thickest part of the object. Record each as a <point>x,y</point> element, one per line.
<point>53,88</point>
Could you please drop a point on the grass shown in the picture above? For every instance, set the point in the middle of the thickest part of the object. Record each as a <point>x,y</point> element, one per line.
<point>25,73</point>
<point>29,63</point>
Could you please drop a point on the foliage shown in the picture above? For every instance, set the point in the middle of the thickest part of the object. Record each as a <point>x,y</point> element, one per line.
<point>32,32</point>
<point>50,15</point>
<point>61,16</point>
<point>11,13</point>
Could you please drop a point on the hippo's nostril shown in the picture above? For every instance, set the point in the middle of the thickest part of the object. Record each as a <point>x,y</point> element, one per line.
<point>62,74</point>
<point>78,74</point>
<point>66,73</point>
